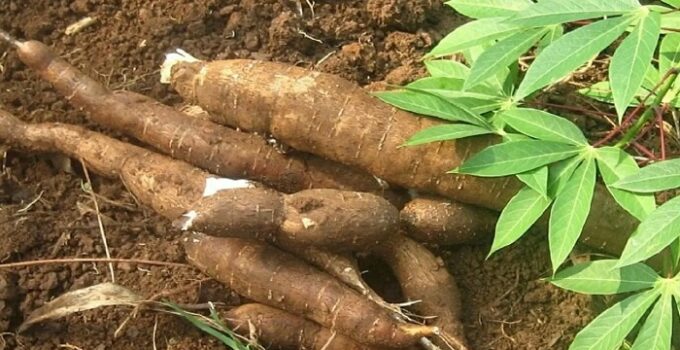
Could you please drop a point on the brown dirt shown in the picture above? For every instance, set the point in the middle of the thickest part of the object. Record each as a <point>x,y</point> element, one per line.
<point>506,305</point>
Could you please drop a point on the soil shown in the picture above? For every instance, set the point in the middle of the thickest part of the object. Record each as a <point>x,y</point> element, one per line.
<point>46,213</point>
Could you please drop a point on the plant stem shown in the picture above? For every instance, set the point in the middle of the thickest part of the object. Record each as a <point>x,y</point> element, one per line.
<point>649,112</point>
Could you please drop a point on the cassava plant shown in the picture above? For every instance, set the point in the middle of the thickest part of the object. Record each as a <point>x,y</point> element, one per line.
<point>484,90</point>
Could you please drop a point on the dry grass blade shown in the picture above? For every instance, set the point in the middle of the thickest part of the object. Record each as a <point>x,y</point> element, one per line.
<point>104,294</point>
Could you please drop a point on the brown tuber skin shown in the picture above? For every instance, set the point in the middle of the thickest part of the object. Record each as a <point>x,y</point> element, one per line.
<point>328,116</point>
<point>340,220</point>
<point>269,276</point>
<point>276,329</point>
<point>323,217</point>
<point>437,220</point>
<point>423,276</point>
<point>220,150</point>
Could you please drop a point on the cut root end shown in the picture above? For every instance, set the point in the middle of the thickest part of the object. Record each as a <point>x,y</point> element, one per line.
<point>171,59</point>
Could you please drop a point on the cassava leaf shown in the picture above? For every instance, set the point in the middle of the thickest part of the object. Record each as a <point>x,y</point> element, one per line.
<point>630,61</point>
<point>675,252</point>
<point>473,34</point>
<point>658,230</point>
<point>543,126</point>
<point>570,52</point>
<point>430,105</point>
<point>502,54</point>
<point>656,331</point>
<point>548,12</point>
<point>488,8</point>
<point>601,91</point>
<point>479,100</point>
<point>516,157</point>
<point>537,179</point>
<point>519,214</point>
<point>608,330</point>
<point>560,173</point>
<point>661,176</point>
<point>569,212</point>
<point>615,164</point>
<point>445,132</point>
<point>447,69</point>
<point>602,278</point>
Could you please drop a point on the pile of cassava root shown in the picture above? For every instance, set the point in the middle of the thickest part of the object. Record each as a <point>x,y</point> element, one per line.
<point>281,228</point>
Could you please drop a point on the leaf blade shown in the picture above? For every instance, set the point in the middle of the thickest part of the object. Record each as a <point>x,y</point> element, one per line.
<point>569,212</point>
<point>502,54</point>
<point>608,330</point>
<point>543,126</point>
<point>537,179</point>
<point>630,61</point>
<point>661,176</point>
<point>579,46</point>
<point>615,164</point>
<point>602,278</point>
<point>658,230</point>
<point>488,8</point>
<point>445,132</point>
<point>515,157</point>
<point>549,12</point>
<point>656,331</point>
<point>523,210</point>
<point>473,34</point>
<point>430,105</point>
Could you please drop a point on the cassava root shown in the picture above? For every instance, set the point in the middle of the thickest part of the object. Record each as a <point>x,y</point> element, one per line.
<point>220,150</point>
<point>269,276</point>
<point>333,118</point>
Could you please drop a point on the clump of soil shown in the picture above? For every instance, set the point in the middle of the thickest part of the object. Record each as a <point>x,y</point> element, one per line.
<point>45,212</point>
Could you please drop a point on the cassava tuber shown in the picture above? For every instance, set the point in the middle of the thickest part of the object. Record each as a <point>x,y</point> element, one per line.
<point>323,217</point>
<point>437,220</point>
<point>333,118</point>
<point>269,276</point>
<point>277,329</point>
<point>423,277</point>
<point>220,150</point>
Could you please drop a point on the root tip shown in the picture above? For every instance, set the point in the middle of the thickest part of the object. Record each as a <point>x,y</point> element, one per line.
<point>5,36</point>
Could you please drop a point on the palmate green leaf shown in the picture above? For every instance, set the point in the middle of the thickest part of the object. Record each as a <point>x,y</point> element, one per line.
<point>446,132</point>
<point>670,21</point>
<point>608,330</point>
<point>615,164</point>
<point>569,212</point>
<point>488,8</point>
<point>658,230</point>
<point>656,331</point>
<point>502,54</point>
<point>536,179</point>
<point>510,158</point>
<point>560,173</point>
<point>479,100</point>
<point>447,69</point>
<point>548,12</point>
<point>675,252</point>
<point>428,104</point>
<point>473,34</point>
<point>602,278</point>
<point>661,176</point>
<point>570,52</point>
<point>519,214</point>
<point>631,59</point>
<point>543,126</point>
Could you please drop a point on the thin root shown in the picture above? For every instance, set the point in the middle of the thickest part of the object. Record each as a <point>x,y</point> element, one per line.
<point>8,38</point>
